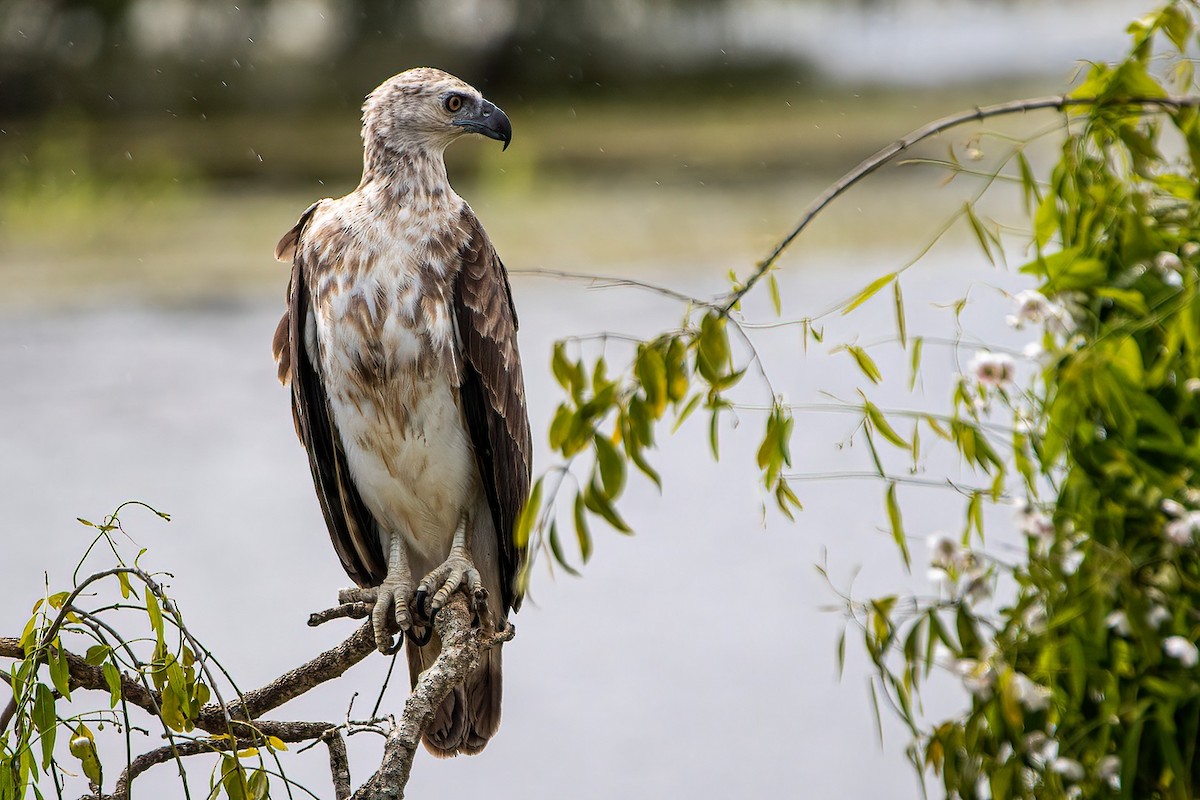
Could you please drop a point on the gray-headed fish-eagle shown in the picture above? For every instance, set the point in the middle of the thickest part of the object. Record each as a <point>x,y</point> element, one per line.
<point>399,342</point>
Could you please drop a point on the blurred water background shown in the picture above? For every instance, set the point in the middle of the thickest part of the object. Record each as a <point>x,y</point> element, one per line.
<point>153,151</point>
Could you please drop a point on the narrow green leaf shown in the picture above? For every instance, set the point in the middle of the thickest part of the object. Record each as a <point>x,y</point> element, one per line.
<point>980,235</point>
<point>865,363</point>
<point>126,589</point>
<point>893,510</point>
<point>677,370</point>
<point>901,325</point>
<point>557,551</point>
<point>60,669</point>
<point>876,418</point>
<point>776,301</point>
<point>687,411</point>
<point>113,678</point>
<point>529,515</point>
<point>868,292</point>
<point>155,613</point>
<point>582,533</point>
<point>596,501</point>
<point>45,721</point>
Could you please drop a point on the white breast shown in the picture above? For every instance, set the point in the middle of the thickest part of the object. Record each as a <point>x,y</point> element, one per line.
<point>385,346</point>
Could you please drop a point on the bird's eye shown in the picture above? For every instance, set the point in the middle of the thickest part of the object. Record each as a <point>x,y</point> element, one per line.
<point>453,103</point>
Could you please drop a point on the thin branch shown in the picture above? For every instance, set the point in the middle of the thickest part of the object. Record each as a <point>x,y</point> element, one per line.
<point>870,165</point>
<point>609,282</point>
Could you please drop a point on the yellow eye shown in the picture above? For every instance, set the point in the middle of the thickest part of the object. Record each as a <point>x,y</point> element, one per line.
<point>453,103</point>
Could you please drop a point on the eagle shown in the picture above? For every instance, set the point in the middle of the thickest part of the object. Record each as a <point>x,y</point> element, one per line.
<point>399,344</point>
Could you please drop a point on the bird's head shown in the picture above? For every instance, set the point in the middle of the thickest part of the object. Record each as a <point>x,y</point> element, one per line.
<point>427,109</point>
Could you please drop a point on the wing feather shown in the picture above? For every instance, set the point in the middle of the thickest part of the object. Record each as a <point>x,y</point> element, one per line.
<point>351,525</point>
<point>493,392</point>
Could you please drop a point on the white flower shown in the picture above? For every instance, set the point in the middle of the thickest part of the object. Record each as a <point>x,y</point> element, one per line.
<point>1180,530</point>
<point>943,551</point>
<point>939,577</point>
<point>1182,650</point>
<point>1172,279</point>
<point>1070,561</point>
<point>1192,385</point>
<point>1033,351</point>
<point>1156,616</point>
<point>1034,618</point>
<point>977,676</point>
<point>992,369</point>
<point>977,588</point>
<point>1167,262</point>
<point>1173,508</point>
<point>1033,696</point>
<point>1108,769</point>
<point>1118,622</point>
<point>1069,768</point>
<point>1036,524</point>
<point>1032,306</point>
<point>1189,249</point>
<point>1041,748</point>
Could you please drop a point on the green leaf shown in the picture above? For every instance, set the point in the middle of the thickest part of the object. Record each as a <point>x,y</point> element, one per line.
<point>582,533</point>
<point>893,510</point>
<point>258,785</point>
<point>45,721</point>
<point>233,779</point>
<point>155,613</point>
<point>880,423</point>
<point>557,551</point>
<point>901,325</point>
<point>596,501</point>
<point>865,363</point>
<point>1046,220</point>
<point>915,369</point>
<point>96,654</point>
<point>126,589</point>
<point>113,678</point>
<point>651,370</point>
<point>773,288</point>
<point>83,747</point>
<point>713,349</point>
<point>677,371</point>
<point>867,293</point>
<point>611,464</point>
<point>560,427</point>
<point>60,669</point>
<point>529,515</point>
<point>980,234</point>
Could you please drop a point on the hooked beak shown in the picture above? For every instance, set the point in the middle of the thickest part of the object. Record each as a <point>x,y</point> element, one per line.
<point>490,121</point>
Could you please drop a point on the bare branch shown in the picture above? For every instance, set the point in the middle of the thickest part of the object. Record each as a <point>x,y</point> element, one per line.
<point>870,165</point>
<point>339,765</point>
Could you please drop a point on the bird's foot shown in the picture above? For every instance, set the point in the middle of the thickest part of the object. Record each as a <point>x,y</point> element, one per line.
<point>390,612</point>
<point>442,582</point>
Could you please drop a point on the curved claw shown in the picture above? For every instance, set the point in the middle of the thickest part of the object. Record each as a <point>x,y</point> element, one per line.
<point>392,649</point>
<point>419,641</point>
<point>419,605</point>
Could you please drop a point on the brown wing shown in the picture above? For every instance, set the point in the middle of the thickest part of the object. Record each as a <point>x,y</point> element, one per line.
<point>351,525</point>
<point>493,392</point>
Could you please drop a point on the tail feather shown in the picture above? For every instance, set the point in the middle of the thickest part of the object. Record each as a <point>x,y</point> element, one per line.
<point>470,714</point>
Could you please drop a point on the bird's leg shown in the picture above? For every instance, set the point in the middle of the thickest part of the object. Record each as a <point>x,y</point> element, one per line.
<point>445,579</point>
<point>390,598</point>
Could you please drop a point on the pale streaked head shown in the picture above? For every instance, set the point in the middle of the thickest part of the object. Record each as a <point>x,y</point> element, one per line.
<point>427,109</point>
